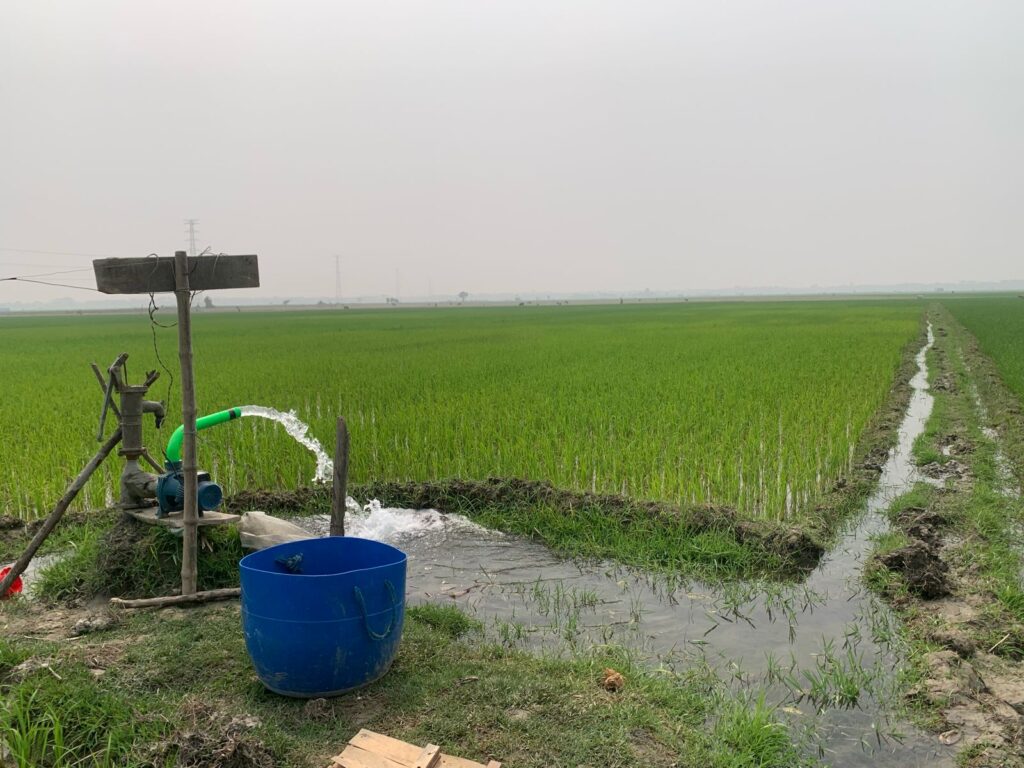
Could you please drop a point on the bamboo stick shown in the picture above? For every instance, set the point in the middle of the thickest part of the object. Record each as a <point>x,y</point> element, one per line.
<point>58,511</point>
<point>190,516</point>
<point>340,485</point>
<point>195,598</point>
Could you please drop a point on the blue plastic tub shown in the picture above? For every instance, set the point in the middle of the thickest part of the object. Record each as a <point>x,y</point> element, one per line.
<point>332,625</point>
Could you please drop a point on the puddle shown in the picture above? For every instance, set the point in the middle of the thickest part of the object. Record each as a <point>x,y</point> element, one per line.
<point>821,649</point>
<point>34,568</point>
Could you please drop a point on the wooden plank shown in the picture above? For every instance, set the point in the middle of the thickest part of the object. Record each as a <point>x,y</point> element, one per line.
<point>450,761</point>
<point>156,274</point>
<point>394,749</point>
<point>366,749</point>
<point>174,519</point>
<point>429,757</point>
<point>354,757</point>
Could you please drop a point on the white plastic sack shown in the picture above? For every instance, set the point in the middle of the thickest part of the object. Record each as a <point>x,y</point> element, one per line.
<point>258,530</point>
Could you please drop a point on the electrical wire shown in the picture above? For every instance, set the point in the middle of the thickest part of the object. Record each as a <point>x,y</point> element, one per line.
<point>57,285</point>
<point>153,325</point>
<point>152,309</point>
<point>48,274</point>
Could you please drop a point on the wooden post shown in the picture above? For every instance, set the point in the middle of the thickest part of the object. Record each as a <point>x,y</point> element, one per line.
<point>58,511</point>
<point>190,517</point>
<point>340,484</point>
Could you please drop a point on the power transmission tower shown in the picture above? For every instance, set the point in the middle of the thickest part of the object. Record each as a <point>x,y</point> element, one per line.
<point>191,224</point>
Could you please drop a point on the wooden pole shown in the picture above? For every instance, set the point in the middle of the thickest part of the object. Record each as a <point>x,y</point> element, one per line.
<point>58,511</point>
<point>198,597</point>
<point>340,485</point>
<point>190,517</point>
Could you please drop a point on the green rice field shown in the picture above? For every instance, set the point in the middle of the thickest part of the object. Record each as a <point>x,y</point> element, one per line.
<point>756,405</point>
<point>998,324</point>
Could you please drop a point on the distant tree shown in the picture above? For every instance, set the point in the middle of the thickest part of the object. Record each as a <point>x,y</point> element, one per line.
<point>208,302</point>
<point>463,296</point>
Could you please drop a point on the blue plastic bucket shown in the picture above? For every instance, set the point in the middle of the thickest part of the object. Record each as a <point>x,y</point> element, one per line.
<point>323,616</point>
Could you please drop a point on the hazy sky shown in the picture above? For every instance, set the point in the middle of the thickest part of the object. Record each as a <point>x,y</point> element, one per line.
<point>517,145</point>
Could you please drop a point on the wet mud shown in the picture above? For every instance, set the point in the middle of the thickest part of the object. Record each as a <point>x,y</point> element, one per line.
<point>919,562</point>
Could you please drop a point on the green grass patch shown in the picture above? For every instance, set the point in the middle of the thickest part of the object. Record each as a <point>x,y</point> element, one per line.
<point>445,618</point>
<point>121,557</point>
<point>752,737</point>
<point>64,720</point>
<point>474,698</point>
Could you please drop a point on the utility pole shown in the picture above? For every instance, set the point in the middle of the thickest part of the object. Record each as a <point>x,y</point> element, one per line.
<point>191,224</point>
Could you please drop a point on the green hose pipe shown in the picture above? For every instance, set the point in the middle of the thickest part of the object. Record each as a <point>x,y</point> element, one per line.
<point>173,451</point>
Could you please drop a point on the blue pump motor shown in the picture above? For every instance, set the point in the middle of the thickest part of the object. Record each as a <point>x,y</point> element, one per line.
<point>170,491</point>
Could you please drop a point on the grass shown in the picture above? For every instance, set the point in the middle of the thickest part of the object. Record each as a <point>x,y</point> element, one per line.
<point>980,530</point>
<point>755,406</point>
<point>64,720</point>
<point>991,520</point>
<point>752,737</point>
<point>172,675</point>
<point>111,556</point>
<point>996,327</point>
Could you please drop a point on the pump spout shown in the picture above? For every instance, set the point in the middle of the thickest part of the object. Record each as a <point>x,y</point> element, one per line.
<point>173,451</point>
<point>157,409</point>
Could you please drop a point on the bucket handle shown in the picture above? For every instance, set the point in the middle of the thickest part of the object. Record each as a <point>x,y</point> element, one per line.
<point>366,618</point>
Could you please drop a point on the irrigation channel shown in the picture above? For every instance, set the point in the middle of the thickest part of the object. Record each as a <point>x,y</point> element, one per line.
<point>826,652</point>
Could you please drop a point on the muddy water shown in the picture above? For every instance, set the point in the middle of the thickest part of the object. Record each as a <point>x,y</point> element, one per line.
<point>35,567</point>
<point>822,650</point>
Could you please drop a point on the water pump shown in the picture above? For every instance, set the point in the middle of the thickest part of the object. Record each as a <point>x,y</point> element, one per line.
<point>170,491</point>
<point>170,486</point>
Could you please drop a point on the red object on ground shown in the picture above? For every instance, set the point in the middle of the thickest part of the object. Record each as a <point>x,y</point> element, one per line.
<point>15,588</point>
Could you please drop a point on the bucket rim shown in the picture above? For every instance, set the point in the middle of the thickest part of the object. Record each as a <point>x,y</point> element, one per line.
<point>402,560</point>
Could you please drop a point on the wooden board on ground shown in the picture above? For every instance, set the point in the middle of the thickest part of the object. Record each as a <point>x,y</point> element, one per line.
<point>375,750</point>
<point>173,520</point>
